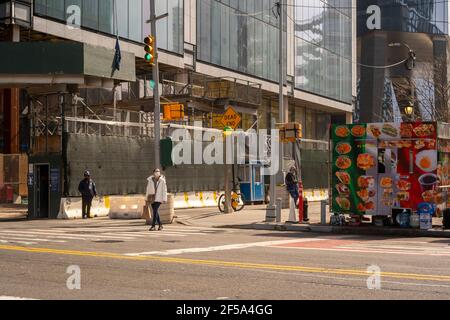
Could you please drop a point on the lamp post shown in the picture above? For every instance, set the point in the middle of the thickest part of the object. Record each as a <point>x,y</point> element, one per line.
<point>411,60</point>
<point>409,111</point>
<point>410,65</point>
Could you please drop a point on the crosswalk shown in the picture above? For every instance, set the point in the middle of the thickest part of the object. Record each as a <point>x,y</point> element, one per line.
<point>105,231</point>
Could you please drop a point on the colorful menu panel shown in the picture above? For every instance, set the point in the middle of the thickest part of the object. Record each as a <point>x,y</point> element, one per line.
<point>380,166</point>
<point>354,168</point>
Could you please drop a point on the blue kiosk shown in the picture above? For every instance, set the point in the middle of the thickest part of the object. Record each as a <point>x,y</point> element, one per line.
<point>251,182</point>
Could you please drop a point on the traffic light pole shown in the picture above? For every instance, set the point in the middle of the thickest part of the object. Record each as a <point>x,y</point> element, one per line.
<point>273,211</point>
<point>156,97</point>
<point>281,107</point>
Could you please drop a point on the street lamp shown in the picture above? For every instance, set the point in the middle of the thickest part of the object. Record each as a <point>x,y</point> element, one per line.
<point>410,62</point>
<point>409,110</point>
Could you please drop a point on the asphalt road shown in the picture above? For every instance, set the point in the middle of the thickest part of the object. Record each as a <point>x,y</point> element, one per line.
<point>123,260</point>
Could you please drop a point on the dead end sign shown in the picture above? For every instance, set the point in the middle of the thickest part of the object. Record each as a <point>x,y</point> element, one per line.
<point>231,118</point>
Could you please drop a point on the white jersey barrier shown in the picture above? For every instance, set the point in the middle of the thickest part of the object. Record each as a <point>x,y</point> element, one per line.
<point>191,200</point>
<point>70,208</point>
<point>130,207</point>
<point>316,195</point>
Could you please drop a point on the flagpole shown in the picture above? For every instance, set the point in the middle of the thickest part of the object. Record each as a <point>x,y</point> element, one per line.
<point>116,31</point>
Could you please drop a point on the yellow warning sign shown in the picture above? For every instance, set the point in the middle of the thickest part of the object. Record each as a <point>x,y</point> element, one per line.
<point>231,118</point>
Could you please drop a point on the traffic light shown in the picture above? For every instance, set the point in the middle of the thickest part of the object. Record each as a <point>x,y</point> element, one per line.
<point>149,50</point>
<point>174,112</point>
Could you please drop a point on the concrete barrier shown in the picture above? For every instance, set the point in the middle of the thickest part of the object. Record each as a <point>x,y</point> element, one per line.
<point>70,208</point>
<point>131,207</point>
<point>190,200</point>
<point>126,207</point>
<point>316,195</point>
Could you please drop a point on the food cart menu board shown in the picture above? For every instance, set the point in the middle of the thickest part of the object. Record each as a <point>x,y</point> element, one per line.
<point>380,166</point>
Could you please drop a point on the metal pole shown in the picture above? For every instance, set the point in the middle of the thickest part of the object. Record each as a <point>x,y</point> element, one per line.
<point>271,209</point>
<point>281,65</point>
<point>228,205</point>
<point>323,212</point>
<point>281,107</point>
<point>156,98</point>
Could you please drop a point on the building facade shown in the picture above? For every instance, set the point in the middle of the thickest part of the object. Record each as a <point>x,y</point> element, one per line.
<point>213,53</point>
<point>387,89</point>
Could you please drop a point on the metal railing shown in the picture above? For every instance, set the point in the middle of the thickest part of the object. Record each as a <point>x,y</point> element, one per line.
<point>210,88</point>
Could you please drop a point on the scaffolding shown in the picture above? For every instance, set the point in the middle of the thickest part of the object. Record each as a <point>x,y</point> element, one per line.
<point>188,84</point>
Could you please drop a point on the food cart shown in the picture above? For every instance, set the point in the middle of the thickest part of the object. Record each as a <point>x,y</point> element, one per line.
<point>379,169</point>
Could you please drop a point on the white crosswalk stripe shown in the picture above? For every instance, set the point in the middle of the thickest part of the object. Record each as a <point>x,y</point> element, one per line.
<point>8,298</point>
<point>119,231</point>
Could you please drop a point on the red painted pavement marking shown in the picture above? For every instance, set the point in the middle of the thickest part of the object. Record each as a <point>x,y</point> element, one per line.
<point>317,244</point>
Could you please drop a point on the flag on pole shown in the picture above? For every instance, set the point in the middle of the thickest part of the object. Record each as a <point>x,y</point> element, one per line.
<point>117,56</point>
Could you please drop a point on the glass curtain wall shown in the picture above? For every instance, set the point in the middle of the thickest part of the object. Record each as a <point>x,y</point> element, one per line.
<point>129,21</point>
<point>323,48</point>
<point>423,16</point>
<point>239,35</point>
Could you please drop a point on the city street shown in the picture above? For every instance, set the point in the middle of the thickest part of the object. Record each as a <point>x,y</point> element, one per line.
<point>123,260</point>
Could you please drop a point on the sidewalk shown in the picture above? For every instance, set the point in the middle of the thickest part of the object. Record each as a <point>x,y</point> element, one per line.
<point>10,212</point>
<point>253,217</point>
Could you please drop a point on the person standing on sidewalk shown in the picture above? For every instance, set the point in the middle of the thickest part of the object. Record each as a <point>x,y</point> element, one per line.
<point>292,185</point>
<point>88,192</point>
<point>156,195</point>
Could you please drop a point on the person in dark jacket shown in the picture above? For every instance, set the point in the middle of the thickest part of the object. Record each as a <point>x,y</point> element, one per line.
<point>292,185</point>
<point>88,192</point>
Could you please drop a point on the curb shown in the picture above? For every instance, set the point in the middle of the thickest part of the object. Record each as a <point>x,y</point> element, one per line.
<point>343,230</point>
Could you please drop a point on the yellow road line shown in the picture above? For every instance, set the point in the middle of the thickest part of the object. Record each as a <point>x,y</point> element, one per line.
<point>230,264</point>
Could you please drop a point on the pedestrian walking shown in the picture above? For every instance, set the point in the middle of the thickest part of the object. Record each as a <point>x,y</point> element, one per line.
<point>88,192</point>
<point>156,195</point>
<point>292,185</point>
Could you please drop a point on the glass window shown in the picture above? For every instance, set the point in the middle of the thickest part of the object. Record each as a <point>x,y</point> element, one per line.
<point>426,16</point>
<point>56,9</point>
<point>106,17</point>
<point>89,16</point>
<point>135,20</point>
<point>323,41</point>
<point>240,35</point>
<point>122,17</point>
<point>125,17</point>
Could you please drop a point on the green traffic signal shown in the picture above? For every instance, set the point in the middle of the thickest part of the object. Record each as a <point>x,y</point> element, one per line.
<point>149,48</point>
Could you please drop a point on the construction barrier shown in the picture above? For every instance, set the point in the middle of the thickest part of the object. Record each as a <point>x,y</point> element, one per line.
<point>191,200</point>
<point>131,207</point>
<point>70,208</point>
<point>316,195</point>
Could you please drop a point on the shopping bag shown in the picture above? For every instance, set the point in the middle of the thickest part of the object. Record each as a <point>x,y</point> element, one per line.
<point>151,198</point>
<point>147,214</point>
